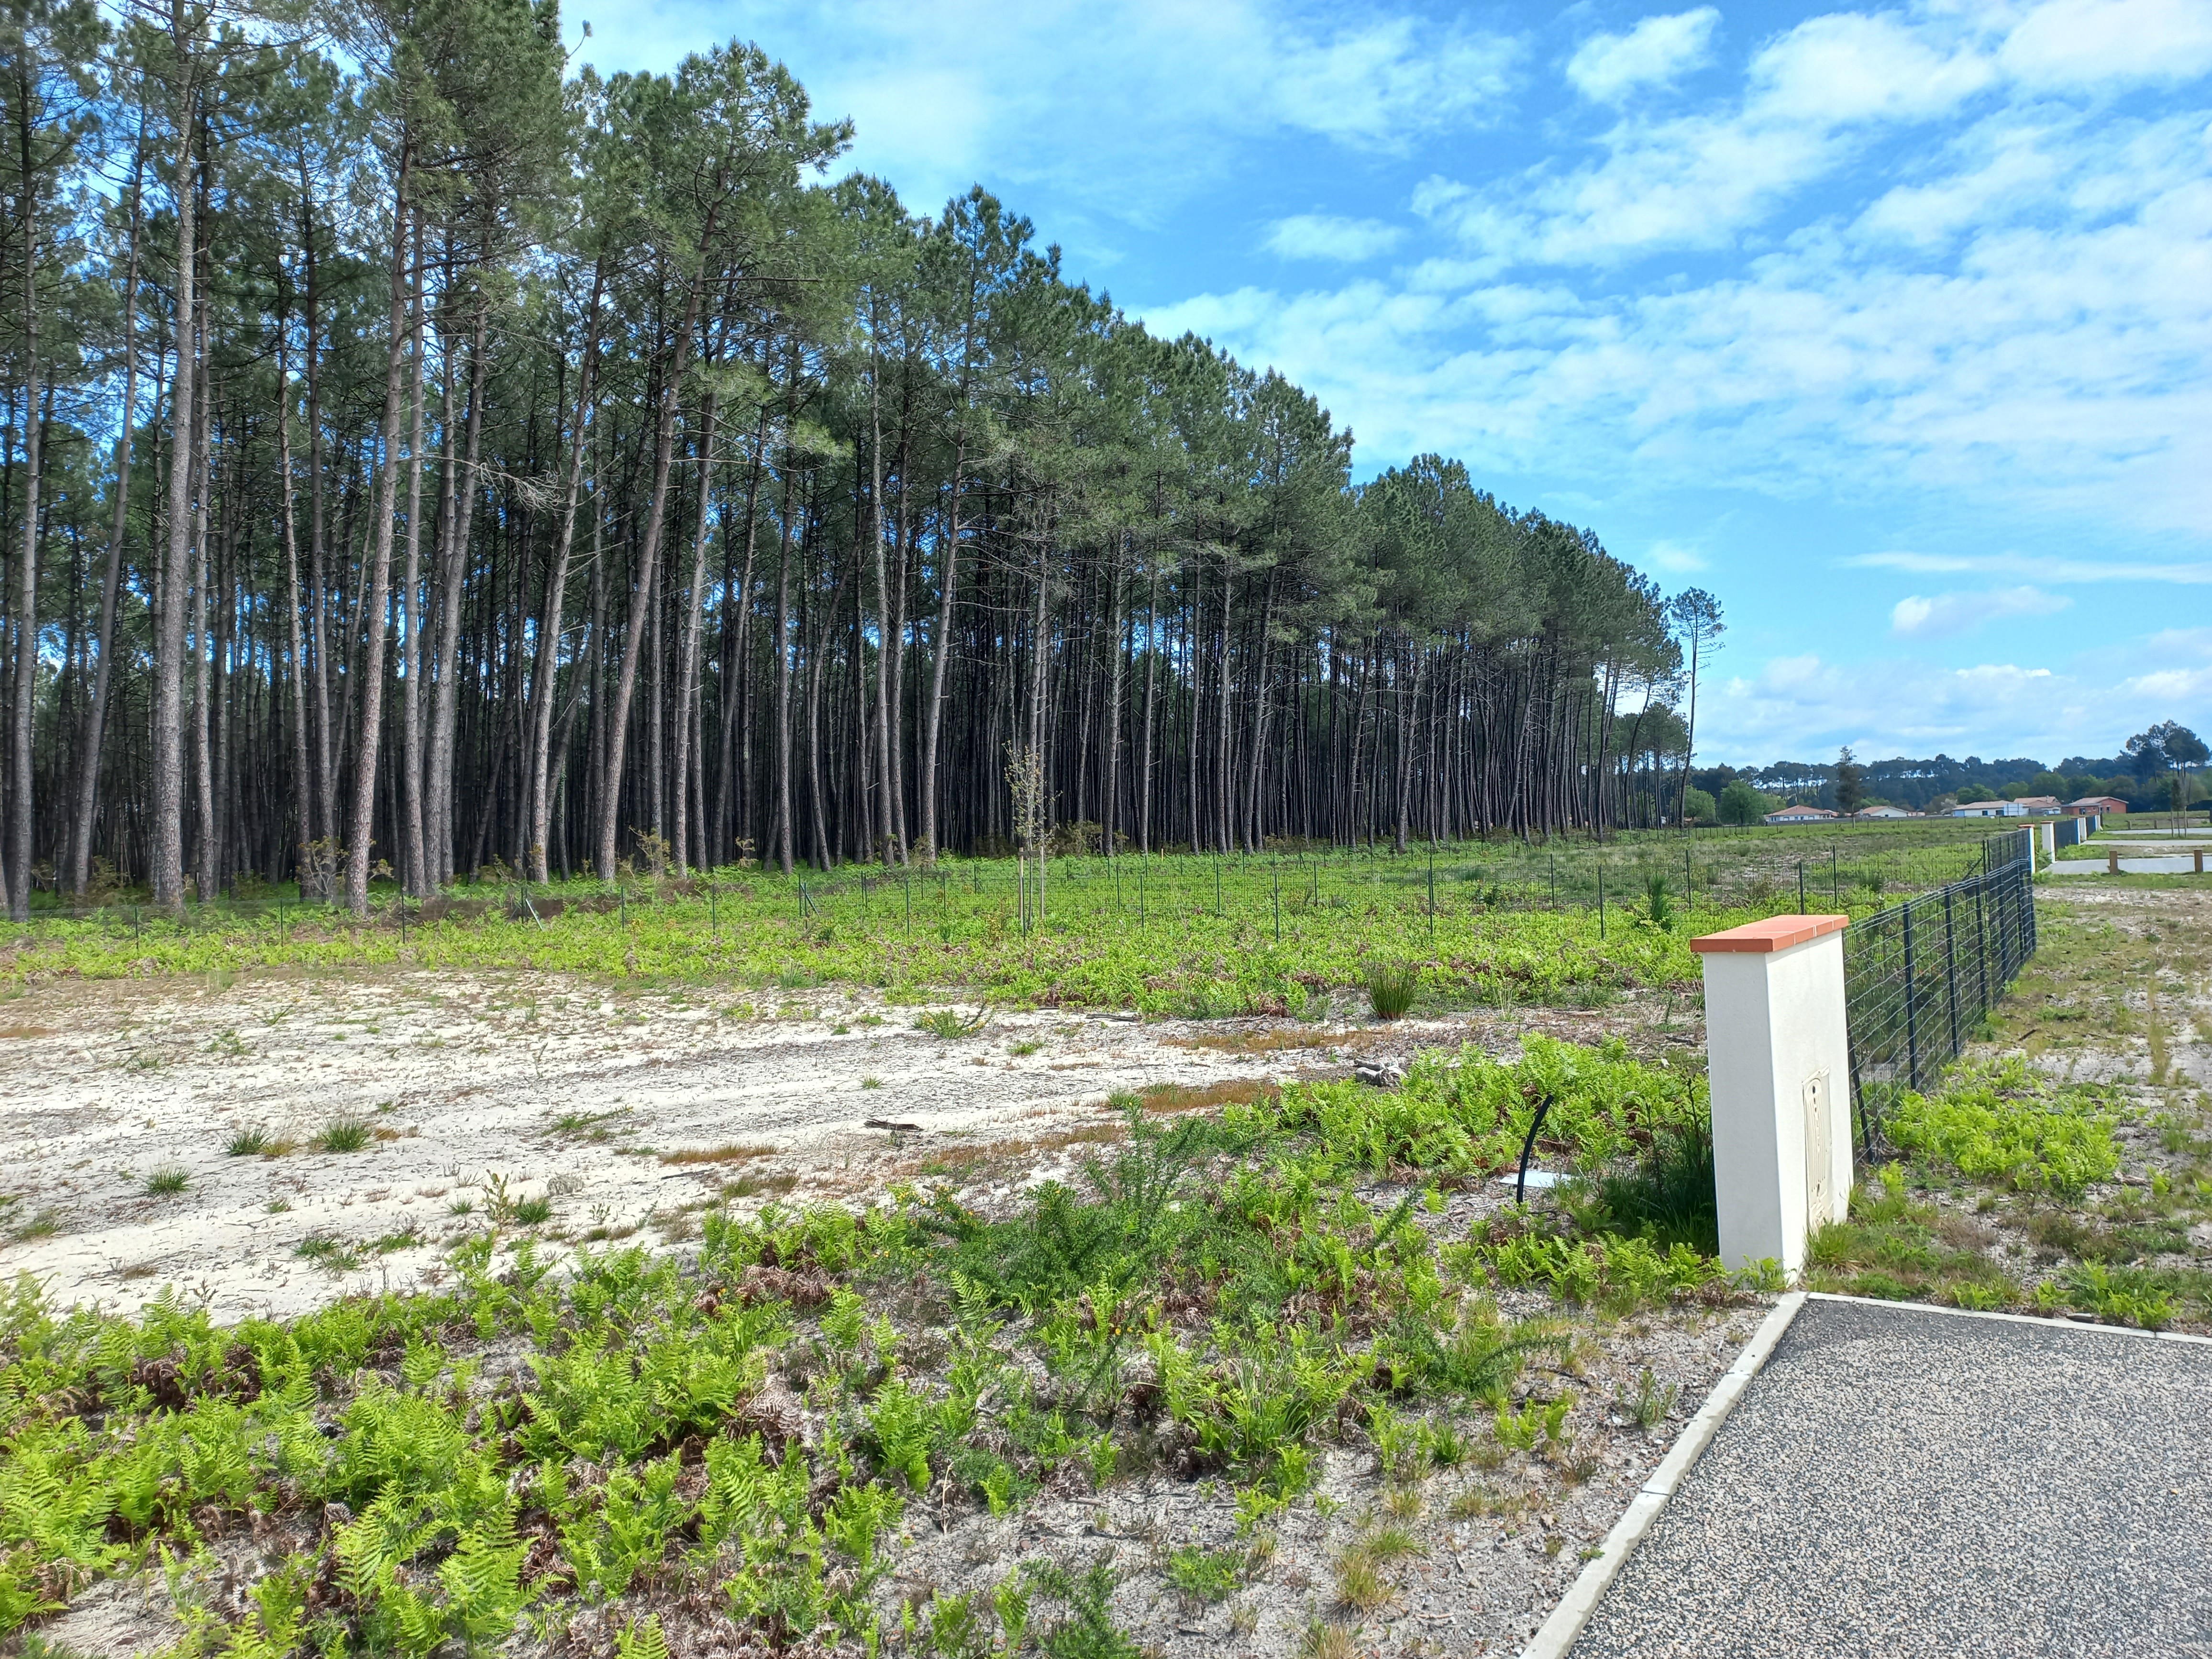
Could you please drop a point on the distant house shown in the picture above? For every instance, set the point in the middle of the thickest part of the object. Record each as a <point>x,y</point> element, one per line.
<point>2094,806</point>
<point>2038,806</point>
<point>1800,815</point>
<point>1884,812</point>
<point>1989,809</point>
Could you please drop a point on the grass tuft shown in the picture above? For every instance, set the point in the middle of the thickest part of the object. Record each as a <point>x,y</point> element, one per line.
<point>167,1182</point>
<point>343,1134</point>
<point>735,1152</point>
<point>1391,988</point>
<point>1361,1583</point>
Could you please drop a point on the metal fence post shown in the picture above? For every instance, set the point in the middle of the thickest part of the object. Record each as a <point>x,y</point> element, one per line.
<point>1981,943</point>
<point>1951,967</point>
<point>1911,1009</point>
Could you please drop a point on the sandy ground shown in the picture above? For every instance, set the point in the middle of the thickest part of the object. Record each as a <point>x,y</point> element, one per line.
<point>490,1090</point>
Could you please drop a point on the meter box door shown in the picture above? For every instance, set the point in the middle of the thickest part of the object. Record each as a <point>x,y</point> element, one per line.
<point>1820,1153</point>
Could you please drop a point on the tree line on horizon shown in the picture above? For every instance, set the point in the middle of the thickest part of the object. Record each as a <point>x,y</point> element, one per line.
<point>423,454</point>
<point>2145,773</point>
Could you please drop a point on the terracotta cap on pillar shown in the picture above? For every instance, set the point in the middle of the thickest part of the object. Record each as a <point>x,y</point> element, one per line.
<point>1774,933</point>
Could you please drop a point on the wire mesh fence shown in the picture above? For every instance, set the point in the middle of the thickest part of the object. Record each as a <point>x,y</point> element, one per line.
<point>1920,976</point>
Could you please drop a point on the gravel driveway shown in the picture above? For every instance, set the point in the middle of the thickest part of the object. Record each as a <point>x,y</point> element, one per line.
<point>1901,1481</point>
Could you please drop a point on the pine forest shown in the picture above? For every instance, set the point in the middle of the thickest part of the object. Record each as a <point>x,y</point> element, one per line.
<point>424,454</point>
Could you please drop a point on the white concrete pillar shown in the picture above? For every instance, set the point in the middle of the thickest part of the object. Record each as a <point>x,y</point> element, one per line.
<point>1778,1057</point>
<point>2047,833</point>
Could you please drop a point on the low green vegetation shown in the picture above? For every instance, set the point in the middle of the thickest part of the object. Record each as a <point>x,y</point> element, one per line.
<point>1477,924</point>
<point>1999,1122</point>
<point>343,1135</point>
<point>2014,1193</point>
<point>1216,1300</point>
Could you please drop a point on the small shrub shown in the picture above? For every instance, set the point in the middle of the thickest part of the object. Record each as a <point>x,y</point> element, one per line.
<point>1669,1196</point>
<point>1361,1584</point>
<point>1658,904</point>
<point>1205,1575</point>
<point>950,1023</point>
<point>332,1254</point>
<point>1392,1543</point>
<point>1391,987</point>
<point>1447,1446</point>
<point>529,1212</point>
<point>344,1135</point>
<point>165,1183</point>
<point>1652,1400</point>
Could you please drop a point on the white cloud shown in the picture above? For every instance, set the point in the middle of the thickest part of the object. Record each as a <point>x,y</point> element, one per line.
<point>1797,707</point>
<point>1812,99</point>
<point>2077,43</point>
<point>1121,109</point>
<point>2038,569</point>
<point>1675,560</point>
<point>1800,707</point>
<point>1656,52</point>
<point>2057,358</point>
<point>1917,618</point>
<point>1325,236</point>
<point>1847,66</point>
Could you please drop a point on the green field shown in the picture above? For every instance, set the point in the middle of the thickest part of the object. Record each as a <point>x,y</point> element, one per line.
<point>1497,924</point>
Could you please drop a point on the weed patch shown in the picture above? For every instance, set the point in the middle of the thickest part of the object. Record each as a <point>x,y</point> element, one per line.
<point>2001,1123</point>
<point>733,1153</point>
<point>343,1135</point>
<point>1216,1295</point>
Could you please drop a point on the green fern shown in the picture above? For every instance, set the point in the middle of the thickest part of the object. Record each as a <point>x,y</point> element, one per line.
<point>642,1641</point>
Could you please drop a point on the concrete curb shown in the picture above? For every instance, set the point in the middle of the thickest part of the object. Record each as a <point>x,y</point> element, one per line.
<point>2045,1321</point>
<point>1557,1632</point>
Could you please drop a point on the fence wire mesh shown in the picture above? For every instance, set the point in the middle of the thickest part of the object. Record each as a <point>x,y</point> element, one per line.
<point>1919,976</point>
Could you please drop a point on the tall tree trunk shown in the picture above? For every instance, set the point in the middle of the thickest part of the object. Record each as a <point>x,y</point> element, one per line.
<point>379,577</point>
<point>544,680</point>
<point>318,579</point>
<point>783,638</point>
<point>1145,760</point>
<point>941,653</point>
<point>302,780</point>
<point>168,849</point>
<point>26,571</point>
<point>886,703</point>
<point>1116,656</point>
<point>204,466</point>
<point>648,557</point>
<point>414,866</point>
<point>687,677</point>
<point>736,701</point>
<point>96,713</point>
<point>462,494</point>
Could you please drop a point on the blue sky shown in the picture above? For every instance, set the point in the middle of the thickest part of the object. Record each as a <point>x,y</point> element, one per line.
<point>1891,327</point>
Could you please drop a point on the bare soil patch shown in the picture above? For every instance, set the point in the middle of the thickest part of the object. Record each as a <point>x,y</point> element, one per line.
<point>622,1111</point>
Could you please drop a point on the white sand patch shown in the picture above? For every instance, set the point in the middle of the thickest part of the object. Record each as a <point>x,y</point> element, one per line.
<point>490,1089</point>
